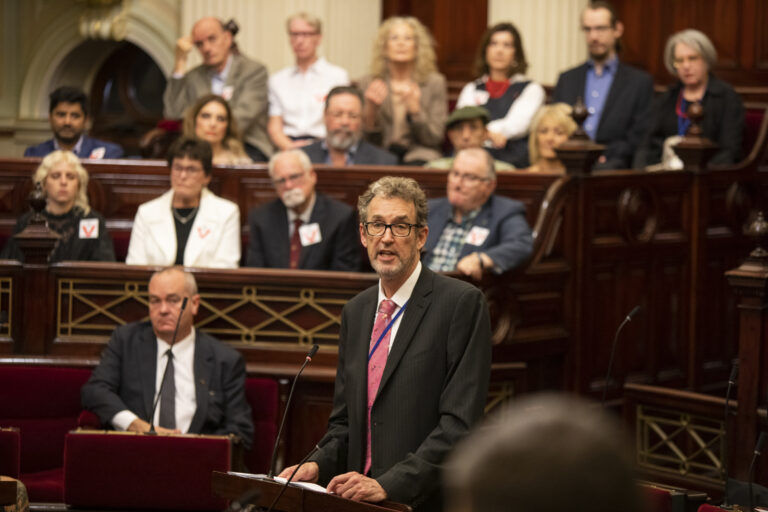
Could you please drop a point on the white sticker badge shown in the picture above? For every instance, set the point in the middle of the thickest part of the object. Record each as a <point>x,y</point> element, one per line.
<point>477,235</point>
<point>98,153</point>
<point>89,228</point>
<point>310,234</point>
<point>481,97</point>
<point>227,92</point>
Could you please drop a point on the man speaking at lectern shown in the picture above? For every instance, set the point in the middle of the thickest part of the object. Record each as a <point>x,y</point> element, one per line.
<point>204,389</point>
<point>414,364</point>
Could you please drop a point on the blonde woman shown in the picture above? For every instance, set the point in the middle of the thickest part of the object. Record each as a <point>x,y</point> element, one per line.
<point>405,97</point>
<point>84,234</point>
<point>551,126</point>
<point>210,119</point>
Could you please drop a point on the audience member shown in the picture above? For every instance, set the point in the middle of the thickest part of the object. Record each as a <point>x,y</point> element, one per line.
<point>503,89</point>
<point>689,55</point>
<point>204,388</point>
<point>68,115</point>
<point>210,119</point>
<point>466,128</point>
<point>344,144</point>
<point>302,228</point>
<point>84,234</point>
<point>472,230</point>
<point>544,453</point>
<point>188,225</point>
<point>551,126</point>
<point>395,419</point>
<point>617,96</point>
<point>234,77</point>
<point>405,97</point>
<point>297,93</point>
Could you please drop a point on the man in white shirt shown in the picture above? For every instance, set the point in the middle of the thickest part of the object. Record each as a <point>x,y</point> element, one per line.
<point>297,93</point>
<point>204,385</point>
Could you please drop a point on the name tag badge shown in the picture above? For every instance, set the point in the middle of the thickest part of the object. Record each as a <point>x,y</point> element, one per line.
<point>477,236</point>
<point>89,228</point>
<point>310,234</point>
<point>203,230</point>
<point>227,91</point>
<point>481,97</point>
<point>98,153</point>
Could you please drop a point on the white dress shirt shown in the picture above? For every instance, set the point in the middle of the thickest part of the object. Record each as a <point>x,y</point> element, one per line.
<point>299,97</point>
<point>400,297</point>
<point>184,380</point>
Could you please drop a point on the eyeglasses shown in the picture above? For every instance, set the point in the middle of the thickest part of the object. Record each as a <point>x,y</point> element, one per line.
<point>296,35</point>
<point>470,178</point>
<point>189,169</point>
<point>399,229</point>
<point>173,301</point>
<point>691,59</point>
<point>295,178</point>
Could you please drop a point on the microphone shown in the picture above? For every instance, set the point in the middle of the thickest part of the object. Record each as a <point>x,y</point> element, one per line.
<point>756,454</point>
<point>162,381</point>
<point>628,319</point>
<point>249,497</point>
<point>308,359</point>
<point>288,481</point>
<point>726,454</point>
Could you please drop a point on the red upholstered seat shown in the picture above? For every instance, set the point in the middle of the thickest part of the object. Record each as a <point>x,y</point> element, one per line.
<point>710,508</point>
<point>139,471</point>
<point>44,406</point>
<point>9,452</point>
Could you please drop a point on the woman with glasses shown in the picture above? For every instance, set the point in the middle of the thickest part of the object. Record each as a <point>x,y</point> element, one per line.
<point>405,97</point>
<point>690,56</point>
<point>510,97</point>
<point>84,235</point>
<point>210,119</point>
<point>188,225</point>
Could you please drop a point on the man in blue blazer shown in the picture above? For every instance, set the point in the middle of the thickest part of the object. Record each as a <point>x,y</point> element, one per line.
<point>207,378</point>
<point>344,144</point>
<point>472,230</point>
<point>617,96</point>
<point>68,114</point>
<point>302,229</point>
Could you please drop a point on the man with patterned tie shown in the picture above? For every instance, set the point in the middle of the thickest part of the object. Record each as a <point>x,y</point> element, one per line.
<point>301,229</point>
<point>204,388</point>
<point>414,364</point>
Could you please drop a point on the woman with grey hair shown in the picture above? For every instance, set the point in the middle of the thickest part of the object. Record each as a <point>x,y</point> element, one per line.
<point>690,56</point>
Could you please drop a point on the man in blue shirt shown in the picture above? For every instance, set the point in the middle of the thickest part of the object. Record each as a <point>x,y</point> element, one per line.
<point>68,114</point>
<point>618,96</point>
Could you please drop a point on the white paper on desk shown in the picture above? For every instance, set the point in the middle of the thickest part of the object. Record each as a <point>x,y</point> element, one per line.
<point>261,476</point>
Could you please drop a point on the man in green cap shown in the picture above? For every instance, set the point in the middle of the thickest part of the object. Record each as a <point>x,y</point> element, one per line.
<point>466,129</point>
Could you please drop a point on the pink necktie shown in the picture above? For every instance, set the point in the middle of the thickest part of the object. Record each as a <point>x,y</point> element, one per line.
<point>376,365</point>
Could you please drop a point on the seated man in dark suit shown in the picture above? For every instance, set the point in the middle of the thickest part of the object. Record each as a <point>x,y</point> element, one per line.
<point>204,387</point>
<point>617,96</point>
<point>344,144</point>
<point>302,229</point>
<point>472,230</point>
<point>68,115</point>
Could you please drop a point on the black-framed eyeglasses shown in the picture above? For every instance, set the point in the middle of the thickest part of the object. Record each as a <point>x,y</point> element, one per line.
<point>401,229</point>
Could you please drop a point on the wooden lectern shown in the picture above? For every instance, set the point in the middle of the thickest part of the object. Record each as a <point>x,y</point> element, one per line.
<point>295,499</point>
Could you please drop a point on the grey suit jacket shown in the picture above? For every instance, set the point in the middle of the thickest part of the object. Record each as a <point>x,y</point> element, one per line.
<point>339,249</point>
<point>248,102</point>
<point>366,154</point>
<point>432,391</point>
<point>125,379</point>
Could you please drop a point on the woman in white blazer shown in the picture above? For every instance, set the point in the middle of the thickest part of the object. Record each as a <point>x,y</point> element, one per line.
<point>188,225</point>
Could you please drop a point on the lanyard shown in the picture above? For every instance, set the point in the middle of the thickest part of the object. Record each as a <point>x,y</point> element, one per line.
<point>386,330</point>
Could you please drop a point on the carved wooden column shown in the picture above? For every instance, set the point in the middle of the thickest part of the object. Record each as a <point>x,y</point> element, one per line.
<point>579,153</point>
<point>695,150</point>
<point>38,314</point>
<point>750,282</point>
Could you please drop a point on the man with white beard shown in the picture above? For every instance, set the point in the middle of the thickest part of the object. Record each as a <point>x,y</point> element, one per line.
<point>343,144</point>
<point>302,229</point>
